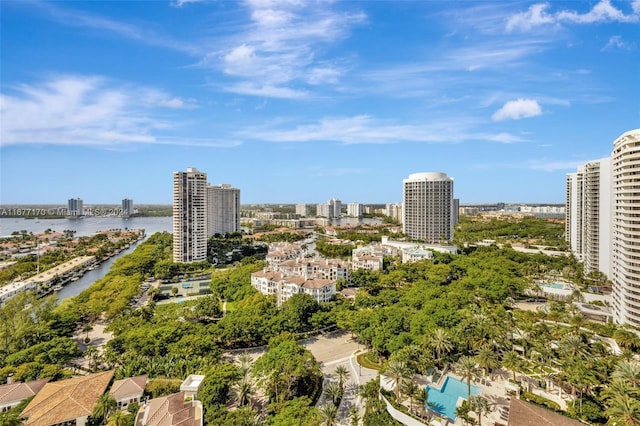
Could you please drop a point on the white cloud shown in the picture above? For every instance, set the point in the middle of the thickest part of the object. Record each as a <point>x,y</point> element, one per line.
<point>538,14</point>
<point>552,166</point>
<point>180,3</point>
<point>90,111</point>
<point>617,42</point>
<point>520,108</point>
<point>363,129</point>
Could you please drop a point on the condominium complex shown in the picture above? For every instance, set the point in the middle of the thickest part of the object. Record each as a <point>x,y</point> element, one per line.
<point>75,207</point>
<point>428,207</point>
<point>331,210</point>
<point>189,216</point>
<point>302,210</point>
<point>394,211</point>
<point>223,209</point>
<point>602,225</point>
<point>354,210</point>
<point>588,214</point>
<point>626,228</point>
<point>127,207</point>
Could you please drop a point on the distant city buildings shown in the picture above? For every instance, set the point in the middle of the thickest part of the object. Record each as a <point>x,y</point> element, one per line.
<point>394,211</point>
<point>602,225</point>
<point>302,210</point>
<point>189,216</point>
<point>331,210</point>
<point>223,209</point>
<point>127,207</point>
<point>428,207</point>
<point>354,210</point>
<point>75,207</point>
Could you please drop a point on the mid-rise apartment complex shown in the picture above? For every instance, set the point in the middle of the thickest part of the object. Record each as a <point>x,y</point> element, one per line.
<point>354,210</point>
<point>75,207</point>
<point>302,210</point>
<point>223,209</point>
<point>603,225</point>
<point>331,210</point>
<point>428,207</point>
<point>189,216</point>
<point>394,211</point>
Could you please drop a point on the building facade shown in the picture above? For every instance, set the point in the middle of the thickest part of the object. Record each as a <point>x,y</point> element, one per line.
<point>189,216</point>
<point>626,229</point>
<point>127,207</point>
<point>223,209</point>
<point>428,207</point>
<point>302,210</point>
<point>354,210</point>
<point>75,207</point>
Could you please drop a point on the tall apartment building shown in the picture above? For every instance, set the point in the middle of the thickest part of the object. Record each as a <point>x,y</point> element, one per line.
<point>603,222</point>
<point>302,210</point>
<point>428,207</point>
<point>189,216</point>
<point>331,210</point>
<point>588,214</point>
<point>223,209</point>
<point>394,211</point>
<point>626,228</point>
<point>354,209</point>
<point>75,207</point>
<point>127,207</point>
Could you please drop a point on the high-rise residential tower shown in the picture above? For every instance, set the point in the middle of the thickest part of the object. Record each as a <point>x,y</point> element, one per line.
<point>223,209</point>
<point>127,207</point>
<point>428,207</point>
<point>625,249</point>
<point>588,215</point>
<point>302,210</point>
<point>335,208</point>
<point>75,207</point>
<point>354,209</point>
<point>189,216</point>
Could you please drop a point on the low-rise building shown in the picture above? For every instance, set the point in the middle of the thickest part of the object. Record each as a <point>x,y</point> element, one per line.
<point>128,391</point>
<point>171,410</point>
<point>12,394</point>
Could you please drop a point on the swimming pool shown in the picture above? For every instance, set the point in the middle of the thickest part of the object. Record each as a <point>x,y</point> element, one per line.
<point>444,400</point>
<point>553,285</point>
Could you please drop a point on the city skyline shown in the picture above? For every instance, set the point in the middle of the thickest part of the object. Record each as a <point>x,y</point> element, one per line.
<point>304,102</point>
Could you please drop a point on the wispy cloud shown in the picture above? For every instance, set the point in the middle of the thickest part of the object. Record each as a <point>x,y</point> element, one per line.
<point>520,108</point>
<point>617,42</point>
<point>539,14</point>
<point>181,3</point>
<point>363,129</point>
<point>279,51</point>
<point>91,111</point>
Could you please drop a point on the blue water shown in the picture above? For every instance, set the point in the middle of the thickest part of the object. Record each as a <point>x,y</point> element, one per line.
<point>553,285</point>
<point>444,400</point>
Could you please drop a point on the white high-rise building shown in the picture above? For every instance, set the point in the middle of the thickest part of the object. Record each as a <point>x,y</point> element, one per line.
<point>354,209</point>
<point>428,207</point>
<point>223,209</point>
<point>75,207</point>
<point>394,211</point>
<point>127,207</point>
<point>588,215</point>
<point>335,208</point>
<point>302,210</point>
<point>626,229</point>
<point>322,210</point>
<point>189,216</point>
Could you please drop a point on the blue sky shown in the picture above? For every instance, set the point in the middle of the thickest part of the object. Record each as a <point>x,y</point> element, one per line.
<point>302,101</point>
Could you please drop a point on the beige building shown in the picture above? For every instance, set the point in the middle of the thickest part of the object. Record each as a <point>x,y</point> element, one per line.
<point>128,391</point>
<point>428,207</point>
<point>189,216</point>
<point>223,209</point>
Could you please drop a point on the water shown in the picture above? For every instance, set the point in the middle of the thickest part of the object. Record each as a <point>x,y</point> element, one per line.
<point>553,285</point>
<point>444,400</point>
<point>87,227</point>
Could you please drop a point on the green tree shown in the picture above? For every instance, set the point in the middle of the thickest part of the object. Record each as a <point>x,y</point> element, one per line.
<point>399,372</point>
<point>119,418</point>
<point>105,405</point>
<point>624,411</point>
<point>627,371</point>
<point>342,374</point>
<point>440,341</point>
<point>354,416</point>
<point>333,393</point>
<point>329,413</point>
<point>487,360</point>
<point>467,368</point>
<point>479,405</point>
<point>511,361</point>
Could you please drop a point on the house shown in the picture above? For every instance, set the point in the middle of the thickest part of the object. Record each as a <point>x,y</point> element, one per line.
<point>128,391</point>
<point>171,410</point>
<point>12,394</point>
<point>68,401</point>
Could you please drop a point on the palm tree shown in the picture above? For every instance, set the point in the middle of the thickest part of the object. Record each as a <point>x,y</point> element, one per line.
<point>91,353</point>
<point>487,360</point>
<point>119,418</point>
<point>329,413</point>
<point>624,411</point>
<point>398,371</point>
<point>440,341</point>
<point>246,364</point>
<point>354,416</point>
<point>245,390</point>
<point>343,374</point>
<point>573,345</point>
<point>467,368</point>
<point>618,388</point>
<point>103,408</point>
<point>334,393</point>
<point>479,405</point>
<point>627,339</point>
<point>410,388</point>
<point>628,371</point>
<point>511,361</point>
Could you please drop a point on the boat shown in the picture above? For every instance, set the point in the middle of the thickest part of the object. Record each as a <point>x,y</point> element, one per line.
<point>56,288</point>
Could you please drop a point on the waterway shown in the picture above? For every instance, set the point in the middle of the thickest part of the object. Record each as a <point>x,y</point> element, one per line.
<point>87,227</point>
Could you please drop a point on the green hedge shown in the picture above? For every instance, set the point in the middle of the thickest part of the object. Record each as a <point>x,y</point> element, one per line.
<point>539,400</point>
